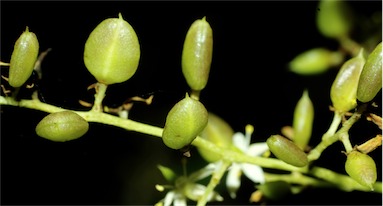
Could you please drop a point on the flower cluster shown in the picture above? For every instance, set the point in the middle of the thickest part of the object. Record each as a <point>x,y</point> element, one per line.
<point>186,187</point>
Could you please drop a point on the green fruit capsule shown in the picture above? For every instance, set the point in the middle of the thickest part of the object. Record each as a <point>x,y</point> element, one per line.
<point>315,61</point>
<point>343,89</point>
<point>334,18</point>
<point>197,54</point>
<point>370,81</point>
<point>112,51</point>
<point>23,58</point>
<point>303,121</point>
<point>218,132</point>
<point>287,151</point>
<point>361,168</point>
<point>275,190</point>
<point>62,126</point>
<point>184,122</point>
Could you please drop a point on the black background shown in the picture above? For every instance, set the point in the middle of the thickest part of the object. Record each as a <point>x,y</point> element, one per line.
<point>249,84</point>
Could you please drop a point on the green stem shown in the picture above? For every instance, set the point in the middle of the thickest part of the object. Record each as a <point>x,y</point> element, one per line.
<point>344,138</point>
<point>334,126</point>
<point>195,94</point>
<point>343,182</point>
<point>349,45</point>
<point>15,93</point>
<point>214,181</point>
<point>100,117</point>
<point>235,156</point>
<point>99,97</point>
<point>228,155</point>
<point>327,139</point>
<point>297,178</point>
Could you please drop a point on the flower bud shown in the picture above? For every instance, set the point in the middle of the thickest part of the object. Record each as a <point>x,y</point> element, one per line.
<point>184,122</point>
<point>343,89</point>
<point>370,81</point>
<point>168,173</point>
<point>218,132</point>
<point>361,168</point>
<point>303,121</point>
<point>62,126</point>
<point>112,51</point>
<point>23,58</point>
<point>315,61</point>
<point>287,151</point>
<point>334,18</point>
<point>197,54</point>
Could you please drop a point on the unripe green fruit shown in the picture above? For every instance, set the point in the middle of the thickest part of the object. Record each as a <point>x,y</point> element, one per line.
<point>23,58</point>
<point>62,126</point>
<point>361,168</point>
<point>218,132</point>
<point>303,121</point>
<point>370,81</point>
<point>315,61</point>
<point>184,122</point>
<point>197,54</point>
<point>112,51</point>
<point>334,18</point>
<point>275,190</point>
<point>287,151</point>
<point>343,89</point>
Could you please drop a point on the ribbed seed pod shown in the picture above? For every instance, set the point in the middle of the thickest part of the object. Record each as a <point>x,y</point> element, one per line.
<point>112,51</point>
<point>23,58</point>
<point>315,61</point>
<point>334,18</point>
<point>361,168</point>
<point>343,89</point>
<point>218,132</point>
<point>303,120</point>
<point>197,54</point>
<point>62,126</point>
<point>287,151</point>
<point>184,122</point>
<point>370,81</point>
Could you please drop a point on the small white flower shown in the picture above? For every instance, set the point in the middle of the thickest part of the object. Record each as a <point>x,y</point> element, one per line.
<point>253,172</point>
<point>186,188</point>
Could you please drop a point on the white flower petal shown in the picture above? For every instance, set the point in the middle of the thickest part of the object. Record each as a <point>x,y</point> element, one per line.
<point>179,200</point>
<point>204,172</point>
<point>194,191</point>
<point>257,149</point>
<point>253,172</point>
<point>239,140</point>
<point>233,180</point>
<point>169,198</point>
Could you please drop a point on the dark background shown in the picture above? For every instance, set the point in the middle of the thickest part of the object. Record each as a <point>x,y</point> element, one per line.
<point>249,84</point>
